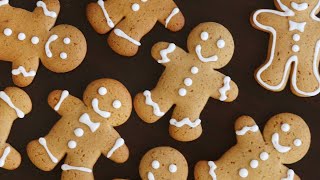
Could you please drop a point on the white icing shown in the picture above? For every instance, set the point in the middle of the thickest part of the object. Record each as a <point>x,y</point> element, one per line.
<point>290,175</point>
<point>173,168</point>
<point>246,129</point>
<point>155,164</point>
<point>105,13</point>
<point>277,145</point>
<point>7,31</point>
<point>85,119</point>
<point>226,87</point>
<point>155,106</point>
<point>164,53</point>
<point>63,96</point>
<point>144,0</point>
<point>72,144</point>
<point>102,91</point>
<point>295,48</point>
<point>4,156</point>
<point>221,43</point>
<point>22,70</point>
<point>296,37</point>
<point>299,7</point>
<point>297,142</point>
<point>285,127</point>
<point>188,81</point>
<point>243,173</point>
<point>78,132</point>
<point>182,92</point>
<point>173,13</point>
<point>116,104</point>
<point>297,26</point>
<point>66,167</point>
<point>35,40</point>
<point>7,100</point>
<point>95,105</point>
<point>254,164</point>
<point>150,176</point>
<point>66,40</point>
<point>4,2</point>
<point>43,142</point>
<point>45,9</point>
<point>203,59</point>
<point>122,34</point>
<point>52,38</point>
<point>63,55</point>
<point>119,142</point>
<point>21,36</point>
<point>264,156</point>
<point>314,11</point>
<point>135,7</point>
<point>204,36</point>
<point>185,121</point>
<point>194,70</point>
<point>212,167</point>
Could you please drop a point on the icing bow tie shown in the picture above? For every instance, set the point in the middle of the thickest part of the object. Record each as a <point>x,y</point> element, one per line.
<point>297,26</point>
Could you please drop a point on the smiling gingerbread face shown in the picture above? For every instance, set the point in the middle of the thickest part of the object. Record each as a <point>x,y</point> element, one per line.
<point>163,163</point>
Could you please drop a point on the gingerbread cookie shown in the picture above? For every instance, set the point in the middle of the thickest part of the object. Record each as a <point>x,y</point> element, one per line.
<point>163,163</point>
<point>14,103</point>
<point>85,130</point>
<point>293,48</point>
<point>189,80</point>
<point>131,20</point>
<point>26,37</point>
<point>285,140</point>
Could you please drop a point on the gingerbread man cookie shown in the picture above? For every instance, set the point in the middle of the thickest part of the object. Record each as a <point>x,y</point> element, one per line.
<point>85,130</point>
<point>163,163</point>
<point>26,37</point>
<point>285,140</point>
<point>189,80</point>
<point>294,46</point>
<point>131,20</point>
<point>14,103</point>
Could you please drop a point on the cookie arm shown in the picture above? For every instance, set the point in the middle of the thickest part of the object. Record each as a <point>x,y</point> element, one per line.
<point>164,53</point>
<point>224,89</point>
<point>247,131</point>
<point>115,148</point>
<point>172,18</point>
<point>265,17</point>
<point>47,11</point>
<point>24,71</point>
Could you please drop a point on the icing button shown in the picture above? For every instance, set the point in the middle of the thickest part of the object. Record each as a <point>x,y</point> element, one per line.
<point>72,144</point>
<point>78,132</point>
<point>188,81</point>
<point>243,173</point>
<point>7,32</point>
<point>295,48</point>
<point>182,92</point>
<point>194,70</point>
<point>135,7</point>
<point>254,164</point>
<point>34,40</point>
<point>296,37</point>
<point>21,36</point>
<point>264,156</point>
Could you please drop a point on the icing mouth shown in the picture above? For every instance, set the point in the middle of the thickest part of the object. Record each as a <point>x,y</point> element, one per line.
<point>280,148</point>
<point>150,176</point>
<point>299,7</point>
<point>95,105</point>
<point>47,46</point>
<point>205,59</point>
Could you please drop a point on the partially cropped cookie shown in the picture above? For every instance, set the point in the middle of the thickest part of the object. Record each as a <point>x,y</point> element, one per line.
<point>85,130</point>
<point>285,140</point>
<point>163,163</point>
<point>26,38</point>
<point>131,20</point>
<point>14,104</point>
<point>293,47</point>
<point>189,80</point>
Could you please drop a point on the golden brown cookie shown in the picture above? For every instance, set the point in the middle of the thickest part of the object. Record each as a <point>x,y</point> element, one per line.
<point>189,80</point>
<point>26,37</point>
<point>14,103</point>
<point>293,47</point>
<point>85,130</point>
<point>131,20</point>
<point>285,140</point>
<point>163,163</point>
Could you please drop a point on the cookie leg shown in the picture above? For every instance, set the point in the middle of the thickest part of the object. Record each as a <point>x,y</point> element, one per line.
<point>77,168</point>
<point>10,158</point>
<point>24,71</point>
<point>202,170</point>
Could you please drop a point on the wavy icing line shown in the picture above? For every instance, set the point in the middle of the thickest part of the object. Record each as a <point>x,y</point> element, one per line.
<point>119,142</point>
<point>290,175</point>
<point>122,34</point>
<point>45,9</point>
<point>164,53</point>
<point>213,58</point>
<point>22,70</point>
<point>95,105</point>
<point>7,100</point>
<point>52,38</point>
<point>174,12</point>
<point>226,87</point>
<point>4,156</point>
<point>85,119</point>
<point>185,121</point>
<point>43,142</point>
<point>246,129</point>
<point>155,106</point>
<point>276,144</point>
<point>66,167</point>
<point>105,13</point>
<point>63,96</point>
<point>213,167</point>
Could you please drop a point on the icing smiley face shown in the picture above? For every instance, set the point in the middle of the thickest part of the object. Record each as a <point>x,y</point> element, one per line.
<point>163,163</point>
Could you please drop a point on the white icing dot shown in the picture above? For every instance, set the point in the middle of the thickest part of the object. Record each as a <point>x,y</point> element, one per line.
<point>102,91</point>
<point>116,104</point>
<point>285,127</point>
<point>63,55</point>
<point>295,48</point>
<point>135,7</point>
<point>144,0</point>
<point>155,164</point>
<point>264,156</point>
<point>182,92</point>
<point>173,168</point>
<point>254,164</point>
<point>297,142</point>
<point>296,37</point>
<point>7,32</point>
<point>204,36</point>
<point>72,144</point>
<point>194,70</point>
<point>78,132</point>
<point>34,40</point>
<point>188,81</point>
<point>221,44</point>
<point>66,40</point>
<point>243,173</point>
<point>21,36</point>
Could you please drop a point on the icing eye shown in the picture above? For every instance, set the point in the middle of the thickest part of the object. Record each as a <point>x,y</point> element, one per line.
<point>297,142</point>
<point>135,7</point>
<point>34,40</point>
<point>63,55</point>
<point>102,91</point>
<point>285,127</point>
<point>173,168</point>
<point>155,164</point>
<point>221,44</point>
<point>7,31</point>
<point>66,40</point>
<point>204,36</point>
<point>116,104</point>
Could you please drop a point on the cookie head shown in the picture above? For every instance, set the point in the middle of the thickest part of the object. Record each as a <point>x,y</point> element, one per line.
<point>211,43</point>
<point>289,135</point>
<point>65,49</point>
<point>163,163</point>
<point>110,100</point>
<point>298,5</point>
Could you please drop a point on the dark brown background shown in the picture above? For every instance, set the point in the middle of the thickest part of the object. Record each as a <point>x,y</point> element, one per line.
<point>142,72</point>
